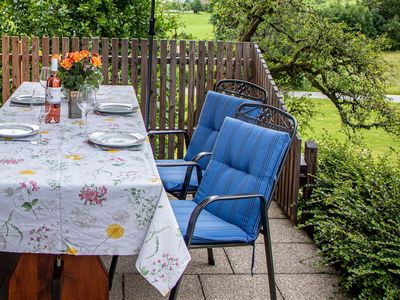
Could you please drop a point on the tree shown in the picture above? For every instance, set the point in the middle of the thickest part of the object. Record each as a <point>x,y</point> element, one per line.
<point>104,18</point>
<point>297,42</point>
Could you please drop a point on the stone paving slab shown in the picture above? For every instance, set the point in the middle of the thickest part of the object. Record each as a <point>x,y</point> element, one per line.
<point>199,263</point>
<point>136,287</point>
<point>282,231</point>
<point>309,286</point>
<point>275,212</point>
<point>288,258</point>
<point>236,287</point>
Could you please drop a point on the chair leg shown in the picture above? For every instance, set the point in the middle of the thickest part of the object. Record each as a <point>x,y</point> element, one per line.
<point>174,292</point>
<point>211,260</point>
<point>270,263</point>
<point>111,272</point>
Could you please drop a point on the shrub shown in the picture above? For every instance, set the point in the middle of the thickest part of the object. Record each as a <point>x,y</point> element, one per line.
<point>355,213</point>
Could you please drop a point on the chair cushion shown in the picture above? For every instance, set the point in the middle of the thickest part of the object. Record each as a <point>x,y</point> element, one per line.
<point>209,228</point>
<point>173,177</point>
<point>216,107</point>
<point>245,159</point>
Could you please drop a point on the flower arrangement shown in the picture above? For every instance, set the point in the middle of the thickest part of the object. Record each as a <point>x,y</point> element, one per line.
<point>78,68</point>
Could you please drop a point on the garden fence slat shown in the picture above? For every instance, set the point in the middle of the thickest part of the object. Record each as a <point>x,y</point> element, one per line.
<point>5,46</point>
<point>220,60</point>
<point>45,51</point>
<point>124,61</point>
<point>238,61</point>
<point>172,95</point>
<point>75,44</point>
<point>163,95</point>
<point>201,79</point>
<point>134,64</point>
<point>35,59</point>
<point>114,60</point>
<point>25,59</point>
<point>95,45</point>
<point>191,85</point>
<point>143,75</point>
<point>16,74</point>
<point>64,46</point>
<point>182,92</point>
<point>55,45</point>
<point>246,62</point>
<point>229,60</point>
<point>85,43</point>
<point>210,66</point>
<point>104,59</point>
<point>295,183</point>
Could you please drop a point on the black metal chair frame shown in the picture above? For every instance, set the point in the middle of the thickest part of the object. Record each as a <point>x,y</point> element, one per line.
<point>242,89</point>
<point>233,87</point>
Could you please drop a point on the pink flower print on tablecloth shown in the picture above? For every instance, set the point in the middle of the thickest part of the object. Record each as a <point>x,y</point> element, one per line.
<point>162,266</point>
<point>37,237</point>
<point>30,186</point>
<point>94,195</point>
<point>11,161</point>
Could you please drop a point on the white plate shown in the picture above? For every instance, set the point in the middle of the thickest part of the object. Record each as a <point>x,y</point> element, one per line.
<point>115,108</point>
<point>27,99</point>
<point>117,139</point>
<point>15,130</point>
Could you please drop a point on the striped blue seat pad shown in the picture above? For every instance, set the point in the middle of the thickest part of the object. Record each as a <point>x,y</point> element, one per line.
<point>209,228</point>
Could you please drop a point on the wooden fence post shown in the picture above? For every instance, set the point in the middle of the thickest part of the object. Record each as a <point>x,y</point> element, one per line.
<point>310,156</point>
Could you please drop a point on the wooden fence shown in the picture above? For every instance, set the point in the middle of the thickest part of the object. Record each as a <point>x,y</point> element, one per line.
<point>183,71</point>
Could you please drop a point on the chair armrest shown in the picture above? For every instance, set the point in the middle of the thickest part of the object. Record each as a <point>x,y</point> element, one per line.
<point>210,199</point>
<point>186,181</point>
<point>200,155</point>
<point>171,132</point>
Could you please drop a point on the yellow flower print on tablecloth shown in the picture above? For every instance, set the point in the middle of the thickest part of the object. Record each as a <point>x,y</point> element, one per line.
<point>73,156</point>
<point>112,150</point>
<point>115,231</point>
<point>71,251</point>
<point>78,122</point>
<point>27,172</point>
<point>109,119</point>
<point>44,132</point>
<point>156,179</point>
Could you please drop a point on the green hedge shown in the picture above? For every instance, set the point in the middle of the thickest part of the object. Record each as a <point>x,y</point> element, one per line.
<point>355,213</point>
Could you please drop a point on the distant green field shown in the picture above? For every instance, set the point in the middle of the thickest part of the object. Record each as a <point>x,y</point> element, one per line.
<point>197,25</point>
<point>327,120</point>
<point>393,58</point>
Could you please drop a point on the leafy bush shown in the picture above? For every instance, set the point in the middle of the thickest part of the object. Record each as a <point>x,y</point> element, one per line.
<point>355,212</point>
<point>84,18</point>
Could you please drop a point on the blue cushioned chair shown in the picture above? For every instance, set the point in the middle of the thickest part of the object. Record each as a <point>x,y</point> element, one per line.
<point>234,195</point>
<point>177,175</point>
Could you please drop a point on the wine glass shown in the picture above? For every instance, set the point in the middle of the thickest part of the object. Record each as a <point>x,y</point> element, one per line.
<point>39,109</point>
<point>86,100</point>
<point>45,73</point>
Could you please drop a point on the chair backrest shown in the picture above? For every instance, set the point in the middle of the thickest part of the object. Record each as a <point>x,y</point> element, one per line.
<point>246,158</point>
<point>216,107</point>
<point>242,89</point>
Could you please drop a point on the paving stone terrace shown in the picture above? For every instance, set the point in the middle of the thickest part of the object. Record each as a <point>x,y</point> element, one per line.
<point>298,270</point>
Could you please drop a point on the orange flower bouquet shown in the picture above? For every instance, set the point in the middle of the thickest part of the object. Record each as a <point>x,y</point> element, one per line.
<point>78,68</point>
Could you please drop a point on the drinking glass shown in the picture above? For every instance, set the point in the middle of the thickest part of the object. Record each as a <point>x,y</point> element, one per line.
<point>86,100</point>
<point>39,109</point>
<point>45,73</point>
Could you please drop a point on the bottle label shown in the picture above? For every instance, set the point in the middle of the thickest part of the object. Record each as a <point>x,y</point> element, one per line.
<point>54,65</point>
<point>54,95</point>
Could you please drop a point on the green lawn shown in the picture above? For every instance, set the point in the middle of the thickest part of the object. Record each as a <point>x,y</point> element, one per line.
<point>393,58</point>
<point>197,25</point>
<point>327,119</point>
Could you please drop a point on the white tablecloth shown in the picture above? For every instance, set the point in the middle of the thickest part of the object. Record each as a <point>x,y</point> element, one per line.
<point>67,196</point>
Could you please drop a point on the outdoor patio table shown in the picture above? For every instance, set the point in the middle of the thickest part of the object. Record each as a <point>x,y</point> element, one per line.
<point>66,196</point>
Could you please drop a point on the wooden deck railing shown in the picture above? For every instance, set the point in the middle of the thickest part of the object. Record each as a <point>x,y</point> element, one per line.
<point>183,71</point>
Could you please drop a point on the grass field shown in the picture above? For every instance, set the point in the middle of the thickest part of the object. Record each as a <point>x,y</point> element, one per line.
<point>197,25</point>
<point>393,58</point>
<point>327,120</point>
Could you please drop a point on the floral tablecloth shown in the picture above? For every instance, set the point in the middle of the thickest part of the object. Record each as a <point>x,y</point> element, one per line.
<point>66,196</point>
